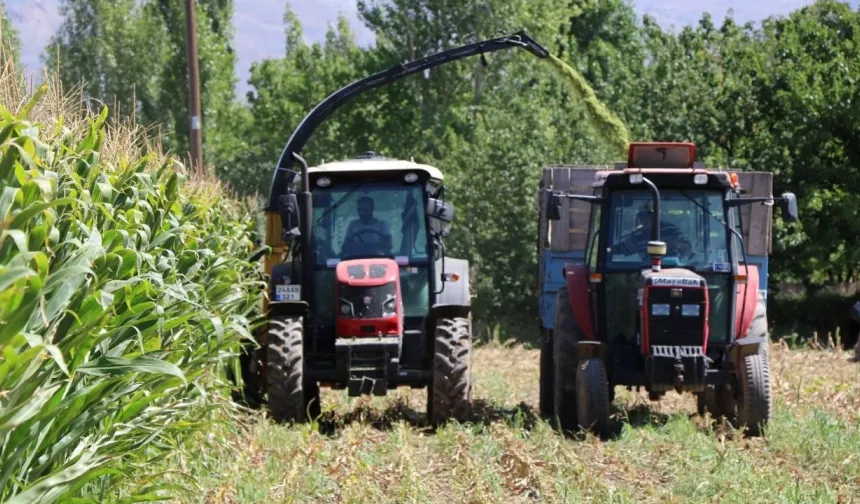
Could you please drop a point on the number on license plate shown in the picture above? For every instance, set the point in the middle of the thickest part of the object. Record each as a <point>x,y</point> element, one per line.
<point>288,293</point>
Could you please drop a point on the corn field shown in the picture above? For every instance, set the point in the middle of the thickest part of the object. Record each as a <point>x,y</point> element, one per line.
<point>124,289</point>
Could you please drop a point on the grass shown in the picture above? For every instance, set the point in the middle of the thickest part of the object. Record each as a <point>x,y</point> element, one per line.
<point>381,450</point>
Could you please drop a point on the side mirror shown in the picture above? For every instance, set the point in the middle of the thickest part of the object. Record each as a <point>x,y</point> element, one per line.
<point>553,206</point>
<point>290,216</point>
<point>440,210</point>
<point>789,207</point>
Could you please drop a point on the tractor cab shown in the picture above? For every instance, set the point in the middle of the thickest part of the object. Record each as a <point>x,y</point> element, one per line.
<point>664,297</point>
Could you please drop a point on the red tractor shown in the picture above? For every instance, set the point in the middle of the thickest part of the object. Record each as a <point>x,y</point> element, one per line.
<point>665,296</point>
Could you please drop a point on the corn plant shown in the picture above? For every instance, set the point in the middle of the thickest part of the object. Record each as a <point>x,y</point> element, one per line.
<point>123,293</point>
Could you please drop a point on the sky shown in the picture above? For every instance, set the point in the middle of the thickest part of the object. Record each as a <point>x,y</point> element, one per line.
<point>260,34</point>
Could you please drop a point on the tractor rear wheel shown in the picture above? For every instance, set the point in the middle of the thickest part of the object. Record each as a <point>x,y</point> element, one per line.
<point>546,399</point>
<point>756,405</point>
<point>592,394</point>
<point>565,338</point>
<point>450,393</point>
<point>291,398</point>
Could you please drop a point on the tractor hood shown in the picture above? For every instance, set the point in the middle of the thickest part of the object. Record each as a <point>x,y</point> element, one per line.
<point>367,272</point>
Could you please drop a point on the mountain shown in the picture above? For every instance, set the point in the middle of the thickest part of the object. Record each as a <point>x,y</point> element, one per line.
<point>259,23</point>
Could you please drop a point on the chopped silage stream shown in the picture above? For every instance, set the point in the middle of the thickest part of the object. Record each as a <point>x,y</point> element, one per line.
<point>610,128</point>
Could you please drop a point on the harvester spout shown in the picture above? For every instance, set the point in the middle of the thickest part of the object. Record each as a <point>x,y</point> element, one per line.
<point>284,173</point>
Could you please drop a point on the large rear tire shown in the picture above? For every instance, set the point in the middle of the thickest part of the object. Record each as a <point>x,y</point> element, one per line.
<point>546,399</point>
<point>565,338</point>
<point>592,396</point>
<point>450,394</point>
<point>291,398</point>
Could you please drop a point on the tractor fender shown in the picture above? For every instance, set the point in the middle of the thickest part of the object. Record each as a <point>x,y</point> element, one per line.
<point>591,349</point>
<point>746,300</point>
<point>578,290</point>
<point>447,311</point>
<point>453,281</point>
<point>743,347</point>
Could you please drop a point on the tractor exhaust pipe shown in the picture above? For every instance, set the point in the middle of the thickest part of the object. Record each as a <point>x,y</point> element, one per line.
<point>656,247</point>
<point>306,218</point>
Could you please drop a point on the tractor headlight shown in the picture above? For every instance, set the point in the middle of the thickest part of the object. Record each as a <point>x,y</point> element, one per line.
<point>323,182</point>
<point>660,310</point>
<point>389,308</point>
<point>345,308</point>
<point>410,177</point>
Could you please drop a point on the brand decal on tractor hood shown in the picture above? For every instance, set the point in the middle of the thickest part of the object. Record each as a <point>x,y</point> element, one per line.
<point>675,282</point>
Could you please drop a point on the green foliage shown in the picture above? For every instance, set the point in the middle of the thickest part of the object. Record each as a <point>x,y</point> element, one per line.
<point>122,293</point>
<point>131,55</point>
<point>9,36</point>
<point>777,96</point>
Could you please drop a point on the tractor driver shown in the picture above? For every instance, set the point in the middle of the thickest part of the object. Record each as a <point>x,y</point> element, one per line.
<point>637,242</point>
<point>367,234</point>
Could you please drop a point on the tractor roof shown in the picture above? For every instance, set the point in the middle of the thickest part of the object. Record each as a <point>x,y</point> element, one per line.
<point>376,163</point>
<point>667,164</point>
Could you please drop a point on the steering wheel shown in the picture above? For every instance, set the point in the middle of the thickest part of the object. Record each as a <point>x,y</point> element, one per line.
<point>356,236</point>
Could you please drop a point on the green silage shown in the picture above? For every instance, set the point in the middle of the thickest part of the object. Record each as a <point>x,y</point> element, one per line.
<point>610,128</point>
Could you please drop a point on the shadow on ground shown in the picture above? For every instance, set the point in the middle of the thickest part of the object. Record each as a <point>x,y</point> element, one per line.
<point>482,413</point>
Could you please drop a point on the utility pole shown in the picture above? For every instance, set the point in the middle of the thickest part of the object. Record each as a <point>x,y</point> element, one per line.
<point>194,114</point>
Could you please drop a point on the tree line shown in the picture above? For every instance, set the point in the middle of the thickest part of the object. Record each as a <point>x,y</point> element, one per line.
<point>778,95</point>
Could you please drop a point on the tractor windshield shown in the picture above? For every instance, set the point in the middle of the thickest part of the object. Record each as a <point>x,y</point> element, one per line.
<point>691,224</point>
<point>369,219</point>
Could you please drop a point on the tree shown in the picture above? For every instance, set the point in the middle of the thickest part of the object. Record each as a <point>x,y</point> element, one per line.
<point>284,91</point>
<point>132,53</point>
<point>9,36</point>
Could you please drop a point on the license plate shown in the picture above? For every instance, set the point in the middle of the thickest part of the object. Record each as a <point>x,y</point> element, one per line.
<point>288,293</point>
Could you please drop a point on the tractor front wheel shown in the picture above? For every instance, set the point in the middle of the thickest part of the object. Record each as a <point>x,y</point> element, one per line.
<point>756,405</point>
<point>450,393</point>
<point>592,394</point>
<point>291,398</point>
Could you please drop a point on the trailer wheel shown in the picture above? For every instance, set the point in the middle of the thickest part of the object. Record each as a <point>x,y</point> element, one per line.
<point>546,375</point>
<point>565,338</point>
<point>592,396</point>
<point>756,405</point>
<point>291,398</point>
<point>450,393</point>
